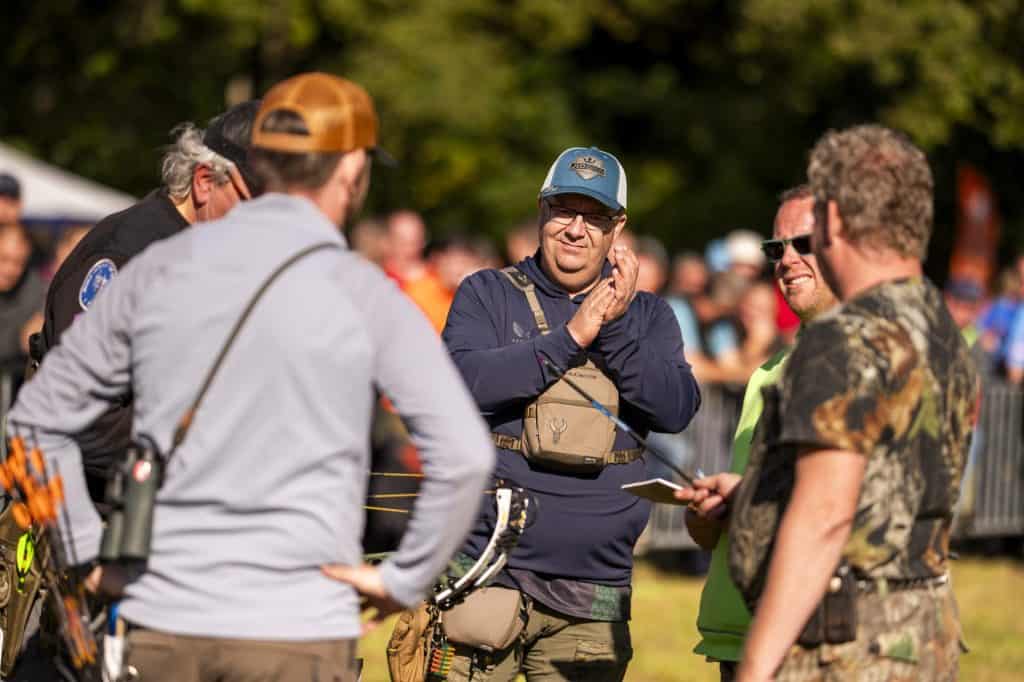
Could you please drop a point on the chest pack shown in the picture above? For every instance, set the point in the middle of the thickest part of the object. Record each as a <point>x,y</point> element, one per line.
<point>561,429</point>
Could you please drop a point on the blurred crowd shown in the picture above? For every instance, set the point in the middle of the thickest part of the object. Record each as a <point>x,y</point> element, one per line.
<point>731,315</point>
<point>26,266</point>
<point>994,326</point>
<point>732,318</point>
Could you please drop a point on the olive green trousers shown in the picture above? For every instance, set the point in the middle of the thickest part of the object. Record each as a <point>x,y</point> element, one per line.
<point>553,648</point>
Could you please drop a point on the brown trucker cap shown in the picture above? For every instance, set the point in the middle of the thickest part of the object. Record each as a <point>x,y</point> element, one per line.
<point>338,114</point>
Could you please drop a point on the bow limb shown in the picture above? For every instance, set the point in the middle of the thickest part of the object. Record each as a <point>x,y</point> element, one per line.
<point>512,504</point>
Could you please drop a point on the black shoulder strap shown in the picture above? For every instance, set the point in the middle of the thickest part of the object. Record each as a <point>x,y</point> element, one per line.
<point>186,420</point>
<point>522,282</point>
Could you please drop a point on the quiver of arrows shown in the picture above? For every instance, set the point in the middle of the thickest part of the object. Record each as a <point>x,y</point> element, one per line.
<point>37,507</point>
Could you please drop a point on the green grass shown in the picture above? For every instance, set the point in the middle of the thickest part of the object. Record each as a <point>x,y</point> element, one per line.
<point>990,593</point>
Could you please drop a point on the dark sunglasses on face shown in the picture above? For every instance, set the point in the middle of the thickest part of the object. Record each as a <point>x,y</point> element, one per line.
<point>775,248</point>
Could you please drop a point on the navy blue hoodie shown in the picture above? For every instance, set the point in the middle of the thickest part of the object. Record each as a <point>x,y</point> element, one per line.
<point>586,526</point>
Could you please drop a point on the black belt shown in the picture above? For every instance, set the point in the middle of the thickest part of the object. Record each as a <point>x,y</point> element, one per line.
<point>901,584</point>
<point>614,457</point>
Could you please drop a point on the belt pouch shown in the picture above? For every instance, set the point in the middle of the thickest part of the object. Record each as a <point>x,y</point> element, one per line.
<point>813,634</point>
<point>841,609</point>
<point>490,619</point>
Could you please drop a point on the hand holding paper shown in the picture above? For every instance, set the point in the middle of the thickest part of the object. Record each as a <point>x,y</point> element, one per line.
<point>708,496</point>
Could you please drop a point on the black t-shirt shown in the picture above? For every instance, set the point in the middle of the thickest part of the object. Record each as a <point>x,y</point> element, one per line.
<point>92,264</point>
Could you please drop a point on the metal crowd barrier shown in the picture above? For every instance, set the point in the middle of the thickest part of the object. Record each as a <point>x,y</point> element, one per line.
<point>992,494</point>
<point>706,445</point>
<point>994,483</point>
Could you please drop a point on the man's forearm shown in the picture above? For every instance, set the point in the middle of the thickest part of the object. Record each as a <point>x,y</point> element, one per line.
<point>818,518</point>
<point>796,584</point>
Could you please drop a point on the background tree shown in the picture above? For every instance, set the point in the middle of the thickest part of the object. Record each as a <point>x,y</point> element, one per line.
<point>711,105</point>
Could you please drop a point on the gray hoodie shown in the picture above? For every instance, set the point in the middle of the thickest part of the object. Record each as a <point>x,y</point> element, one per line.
<point>271,480</point>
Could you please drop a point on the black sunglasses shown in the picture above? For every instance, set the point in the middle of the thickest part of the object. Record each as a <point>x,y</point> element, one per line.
<point>775,248</point>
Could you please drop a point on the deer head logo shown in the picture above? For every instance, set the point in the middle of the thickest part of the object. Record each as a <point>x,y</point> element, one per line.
<point>558,425</point>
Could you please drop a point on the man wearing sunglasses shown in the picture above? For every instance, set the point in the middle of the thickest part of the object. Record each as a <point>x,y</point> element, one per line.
<point>574,304</point>
<point>840,526</point>
<point>724,618</point>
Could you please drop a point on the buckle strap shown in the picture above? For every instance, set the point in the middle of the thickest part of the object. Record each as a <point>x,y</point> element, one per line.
<point>614,457</point>
<point>625,456</point>
<point>522,282</point>
<point>506,442</point>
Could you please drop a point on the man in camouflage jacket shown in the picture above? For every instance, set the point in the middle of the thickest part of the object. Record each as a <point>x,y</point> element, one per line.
<point>857,461</point>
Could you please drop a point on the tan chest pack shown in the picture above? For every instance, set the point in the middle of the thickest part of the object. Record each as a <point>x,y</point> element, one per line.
<point>561,429</point>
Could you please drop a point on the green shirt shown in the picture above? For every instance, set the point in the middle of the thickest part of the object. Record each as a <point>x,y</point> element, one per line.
<point>723,619</point>
<point>970,334</point>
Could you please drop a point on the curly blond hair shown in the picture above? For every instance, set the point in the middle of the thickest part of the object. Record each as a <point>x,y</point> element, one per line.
<point>881,184</point>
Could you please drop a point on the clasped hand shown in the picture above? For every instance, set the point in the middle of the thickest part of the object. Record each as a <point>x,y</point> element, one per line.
<point>609,299</point>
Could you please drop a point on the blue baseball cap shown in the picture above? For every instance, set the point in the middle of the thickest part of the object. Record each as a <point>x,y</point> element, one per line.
<point>590,172</point>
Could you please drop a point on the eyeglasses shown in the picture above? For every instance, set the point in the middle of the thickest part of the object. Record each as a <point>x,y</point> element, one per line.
<point>774,249</point>
<point>562,215</point>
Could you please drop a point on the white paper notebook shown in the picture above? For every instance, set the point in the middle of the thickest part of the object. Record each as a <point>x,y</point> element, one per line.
<point>656,490</point>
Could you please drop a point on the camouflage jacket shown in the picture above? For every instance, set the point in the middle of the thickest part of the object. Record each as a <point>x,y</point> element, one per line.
<point>888,376</point>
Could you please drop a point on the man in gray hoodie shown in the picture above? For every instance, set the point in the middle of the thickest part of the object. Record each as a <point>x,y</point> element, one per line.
<point>255,570</point>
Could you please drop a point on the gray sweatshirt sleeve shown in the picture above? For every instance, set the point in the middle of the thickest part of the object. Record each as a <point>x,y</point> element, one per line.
<point>79,378</point>
<point>415,372</point>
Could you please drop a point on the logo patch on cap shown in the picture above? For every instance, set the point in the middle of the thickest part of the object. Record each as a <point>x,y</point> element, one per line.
<point>100,274</point>
<point>588,167</point>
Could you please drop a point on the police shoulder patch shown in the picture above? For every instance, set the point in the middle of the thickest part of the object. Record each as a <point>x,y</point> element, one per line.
<point>99,275</point>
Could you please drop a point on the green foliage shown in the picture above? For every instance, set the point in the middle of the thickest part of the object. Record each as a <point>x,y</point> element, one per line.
<point>710,105</point>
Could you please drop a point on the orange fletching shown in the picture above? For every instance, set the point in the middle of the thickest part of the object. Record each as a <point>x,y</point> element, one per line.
<point>38,464</point>
<point>28,486</point>
<point>5,477</point>
<point>16,466</point>
<point>22,517</point>
<point>39,506</point>
<point>56,489</point>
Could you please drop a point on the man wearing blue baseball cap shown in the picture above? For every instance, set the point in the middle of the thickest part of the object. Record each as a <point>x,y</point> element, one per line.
<point>560,609</point>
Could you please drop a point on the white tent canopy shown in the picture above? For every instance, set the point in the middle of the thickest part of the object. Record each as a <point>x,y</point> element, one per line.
<point>49,193</point>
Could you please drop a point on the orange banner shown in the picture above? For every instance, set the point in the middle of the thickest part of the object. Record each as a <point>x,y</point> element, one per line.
<point>977,236</point>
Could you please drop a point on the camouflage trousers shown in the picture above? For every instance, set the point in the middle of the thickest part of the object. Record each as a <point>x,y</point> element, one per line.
<point>903,635</point>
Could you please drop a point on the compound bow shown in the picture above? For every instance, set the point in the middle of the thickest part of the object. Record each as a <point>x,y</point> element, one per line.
<point>513,505</point>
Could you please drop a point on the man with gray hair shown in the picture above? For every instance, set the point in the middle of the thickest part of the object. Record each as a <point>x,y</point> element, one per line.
<point>205,173</point>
